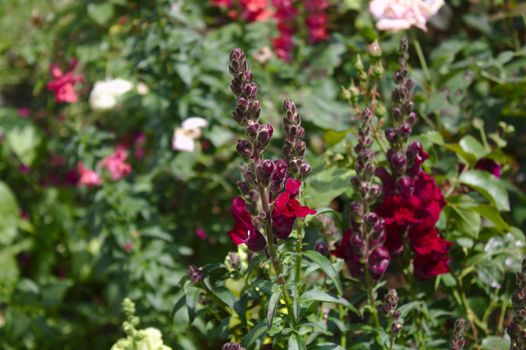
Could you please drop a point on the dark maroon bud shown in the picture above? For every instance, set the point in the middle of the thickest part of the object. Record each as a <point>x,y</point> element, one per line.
<point>280,165</point>
<point>415,147</point>
<point>294,164</point>
<point>250,90</point>
<point>396,96</point>
<point>390,134</point>
<point>405,186</point>
<point>255,108</point>
<point>379,260</point>
<point>357,243</point>
<point>396,315</point>
<point>379,227</point>
<point>405,129</point>
<point>265,170</point>
<point>243,187</point>
<point>397,113</point>
<point>195,273</point>
<point>244,148</point>
<point>252,130</point>
<point>363,188</point>
<point>409,84</point>
<point>305,169</point>
<point>398,161</point>
<point>375,190</point>
<point>357,208</point>
<point>289,106</point>
<point>247,76</point>
<point>299,147</point>
<point>396,328</point>
<point>264,135</point>
<point>370,169</point>
<point>368,142</point>
<point>322,248</point>
<point>242,104</point>
<point>250,176</point>
<point>239,116</point>
<point>411,118</point>
<point>235,87</point>
<point>371,218</point>
<point>397,77</point>
<point>409,107</point>
<point>356,181</point>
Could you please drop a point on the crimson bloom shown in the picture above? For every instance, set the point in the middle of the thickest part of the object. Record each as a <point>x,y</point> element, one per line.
<point>244,230</point>
<point>287,209</point>
<point>489,165</point>
<point>116,163</point>
<point>63,84</point>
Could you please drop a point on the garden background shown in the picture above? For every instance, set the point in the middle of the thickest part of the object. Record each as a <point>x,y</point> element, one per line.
<point>118,157</point>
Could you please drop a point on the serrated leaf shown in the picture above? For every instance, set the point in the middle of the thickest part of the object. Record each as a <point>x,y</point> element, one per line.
<point>489,186</point>
<point>326,266</point>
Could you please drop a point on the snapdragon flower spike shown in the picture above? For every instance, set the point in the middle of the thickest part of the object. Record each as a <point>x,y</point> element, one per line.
<point>412,200</point>
<point>517,327</point>
<point>458,341</point>
<point>287,208</point>
<point>294,147</point>
<point>244,231</point>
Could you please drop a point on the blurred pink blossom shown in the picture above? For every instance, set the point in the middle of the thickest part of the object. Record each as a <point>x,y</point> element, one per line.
<point>396,15</point>
<point>201,234</point>
<point>24,112</point>
<point>88,177</point>
<point>138,145</point>
<point>116,164</point>
<point>63,84</point>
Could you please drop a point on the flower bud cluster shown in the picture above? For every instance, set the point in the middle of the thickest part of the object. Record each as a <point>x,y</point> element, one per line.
<point>248,107</point>
<point>195,273</point>
<point>368,229</point>
<point>294,147</point>
<point>458,341</point>
<point>232,346</point>
<point>389,308</point>
<point>517,327</point>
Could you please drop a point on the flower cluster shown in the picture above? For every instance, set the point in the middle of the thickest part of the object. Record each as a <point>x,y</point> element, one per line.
<point>63,84</point>
<point>362,246</point>
<point>396,15</point>
<point>412,201</point>
<point>517,327</point>
<point>264,179</point>
<point>105,94</point>
<point>316,20</point>
<point>250,10</point>
<point>116,164</point>
<point>285,17</point>
<point>294,147</point>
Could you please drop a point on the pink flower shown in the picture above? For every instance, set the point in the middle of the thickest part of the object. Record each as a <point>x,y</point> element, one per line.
<point>88,177</point>
<point>317,20</point>
<point>63,84</point>
<point>138,145</point>
<point>201,234</point>
<point>396,15</point>
<point>24,112</point>
<point>116,164</point>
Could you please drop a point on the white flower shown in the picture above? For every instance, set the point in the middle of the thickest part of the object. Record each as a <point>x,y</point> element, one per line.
<point>106,94</point>
<point>184,137</point>
<point>142,89</point>
<point>396,15</point>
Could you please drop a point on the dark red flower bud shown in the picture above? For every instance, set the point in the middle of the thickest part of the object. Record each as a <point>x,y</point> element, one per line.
<point>322,248</point>
<point>195,273</point>
<point>411,118</point>
<point>252,130</point>
<point>255,108</point>
<point>371,218</point>
<point>265,170</point>
<point>250,90</point>
<point>390,134</point>
<point>247,77</point>
<point>299,147</point>
<point>305,169</point>
<point>409,107</point>
<point>242,104</point>
<point>405,186</point>
<point>398,161</point>
<point>396,328</point>
<point>397,77</point>
<point>379,260</point>
<point>357,209</point>
<point>356,181</point>
<point>397,113</point>
<point>244,148</point>
<point>264,135</point>
<point>239,116</point>
<point>375,190</point>
<point>405,129</point>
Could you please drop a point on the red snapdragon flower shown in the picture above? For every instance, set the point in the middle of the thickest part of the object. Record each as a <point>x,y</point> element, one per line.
<point>116,163</point>
<point>63,84</point>
<point>285,16</point>
<point>416,213</point>
<point>317,20</point>
<point>489,165</point>
<point>287,209</point>
<point>244,230</point>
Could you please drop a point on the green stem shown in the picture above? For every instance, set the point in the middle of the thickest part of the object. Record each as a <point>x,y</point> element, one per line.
<point>276,263</point>
<point>370,297</point>
<point>299,248</point>
<point>421,58</point>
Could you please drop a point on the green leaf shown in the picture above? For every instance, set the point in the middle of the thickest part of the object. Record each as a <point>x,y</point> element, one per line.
<point>471,145</point>
<point>192,297</point>
<point>326,266</point>
<point>296,342</point>
<point>255,333</point>
<point>272,304</point>
<point>489,186</point>
<point>100,13</point>
<point>488,212</point>
<point>468,221</point>
<point>495,343</point>
<point>319,211</point>
<point>8,215</point>
<point>324,186</point>
<point>23,141</point>
<point>321,296</point>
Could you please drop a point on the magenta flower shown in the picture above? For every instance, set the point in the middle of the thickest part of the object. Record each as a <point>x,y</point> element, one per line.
<point>116,164</point>
<point>63,84</point>
<point>24,112</point>
<point>88,177</point>
<point>489,165</point>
